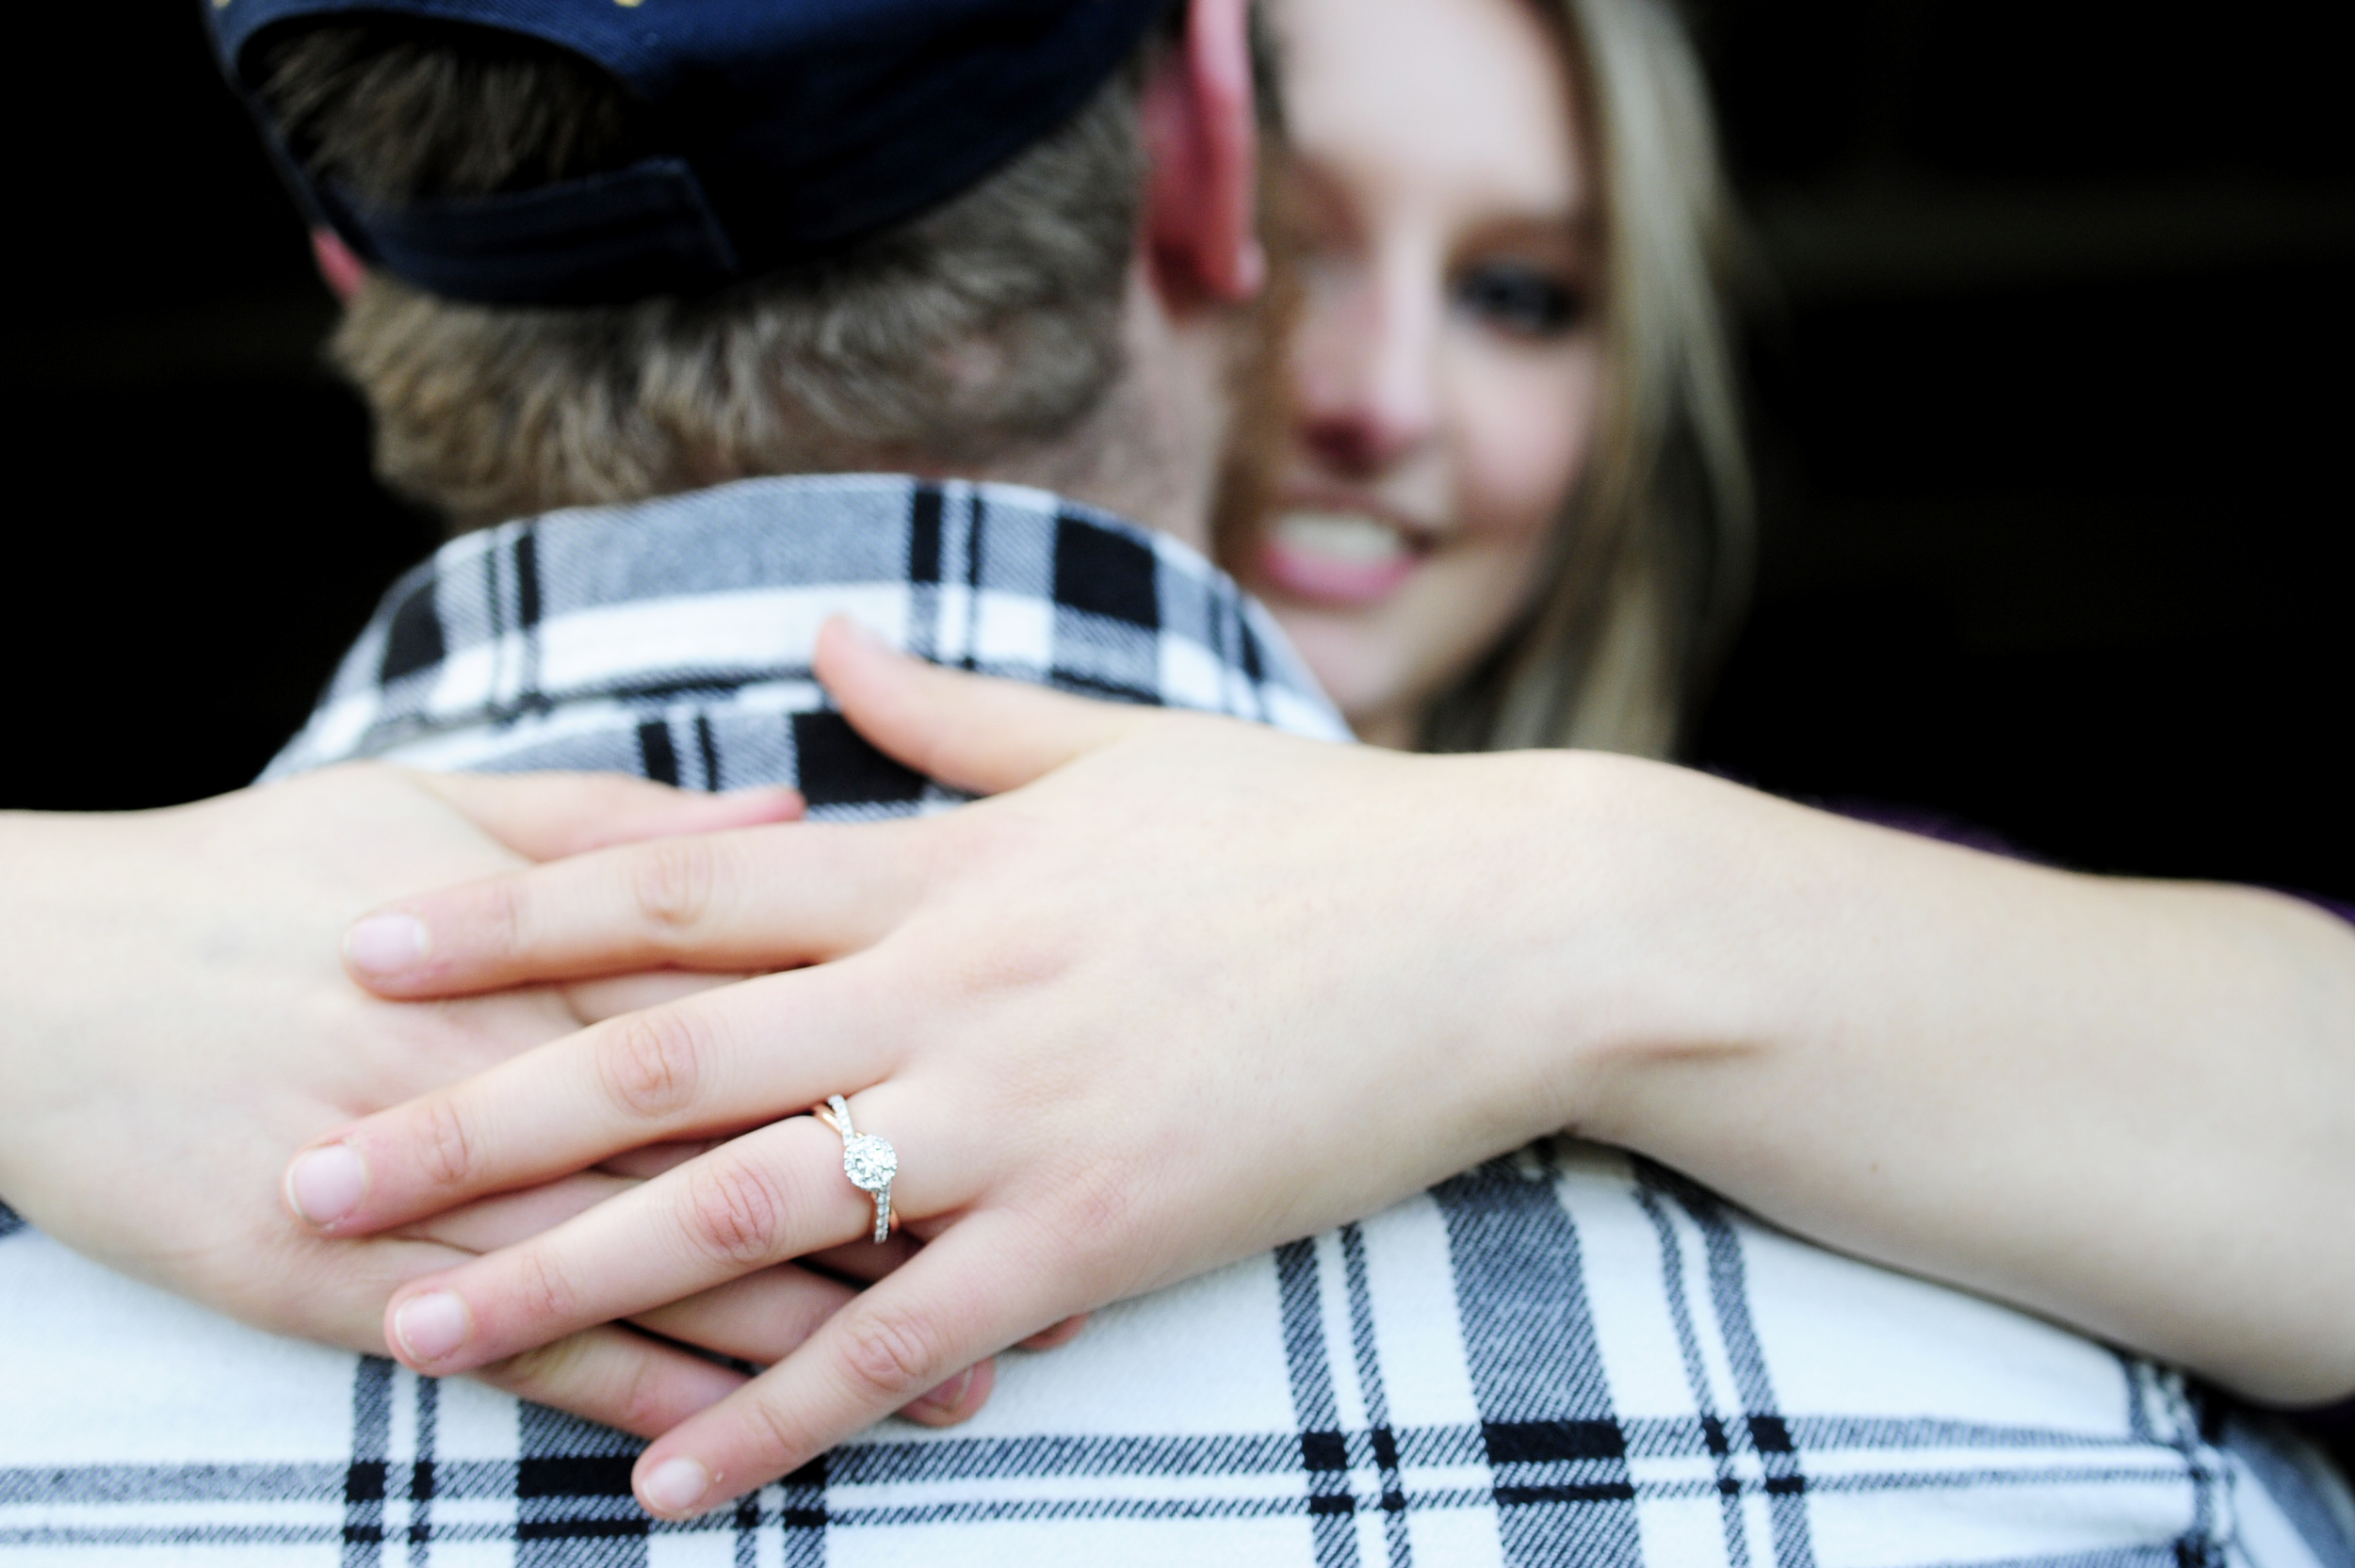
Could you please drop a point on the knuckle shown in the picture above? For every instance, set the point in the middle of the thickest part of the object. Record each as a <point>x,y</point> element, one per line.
<point>1109,1201</point>
<point>1127,1254</point>
<point>446,1151</point>
<point>892,1353</point>
<point>552,1374</point>
<point>500,918</point>
<point>1020,959</point>
<point>541,1291</point>
<point>653,1062</point>
<point>579,1375</point>
<point>984,836</point>
<point>1101,1229</point>
<point>639,1399</point>
<point>674,884</point>
<point>776,1442</point>
<point>735,1212</point>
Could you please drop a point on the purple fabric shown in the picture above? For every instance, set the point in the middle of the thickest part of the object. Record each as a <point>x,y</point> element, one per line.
<point>1924,823</point>
<point>2344,911</point>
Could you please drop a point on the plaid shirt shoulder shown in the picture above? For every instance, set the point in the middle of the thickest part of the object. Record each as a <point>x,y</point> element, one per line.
<point>1563,1357</point>
<point>674,638</point>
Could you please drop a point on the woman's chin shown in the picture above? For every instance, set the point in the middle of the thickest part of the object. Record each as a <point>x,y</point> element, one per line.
<point>1356,665</point>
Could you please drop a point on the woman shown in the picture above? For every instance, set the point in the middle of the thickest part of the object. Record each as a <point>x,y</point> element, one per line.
<point>1517,509</point>
<point>1515,465</point>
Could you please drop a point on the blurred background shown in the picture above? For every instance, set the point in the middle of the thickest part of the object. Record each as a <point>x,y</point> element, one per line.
<point>2052,410</point>
<point>2049,385</point>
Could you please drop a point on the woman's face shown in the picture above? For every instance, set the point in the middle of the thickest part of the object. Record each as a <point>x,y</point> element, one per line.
<point>1446,368</point>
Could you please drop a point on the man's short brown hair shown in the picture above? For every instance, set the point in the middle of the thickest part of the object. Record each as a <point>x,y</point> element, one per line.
<point>988,324</point>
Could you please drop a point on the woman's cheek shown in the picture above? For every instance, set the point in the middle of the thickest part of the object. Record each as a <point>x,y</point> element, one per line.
<point>1526,425</point>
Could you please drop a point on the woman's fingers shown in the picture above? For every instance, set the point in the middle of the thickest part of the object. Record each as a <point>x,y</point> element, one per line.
<point>769,1197</point>
<point>966,1296</point>
<point>766,1316</point>
<point>651,1161</point>
<point>712,1064</point>
<point>1058,1334</point>
<point>549,816</point>
<point>627,1380</point>
<point>604,996</point>
<point>756,901</point>
<point>761,1317</point>
<point>974,732</point>
<point>616,1377</point>
<point>612,1375</point>
<point>862,1262</point>
<point>513,1216</point>
<point>752,901</point>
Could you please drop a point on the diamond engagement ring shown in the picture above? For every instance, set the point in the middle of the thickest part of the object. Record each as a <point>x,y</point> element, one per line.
<point>871,1162</point>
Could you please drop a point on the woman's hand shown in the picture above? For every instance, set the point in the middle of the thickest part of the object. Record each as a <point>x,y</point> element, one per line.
<point>1087,1100</point>
<point>1204,988</point>
<point>176,1019</point>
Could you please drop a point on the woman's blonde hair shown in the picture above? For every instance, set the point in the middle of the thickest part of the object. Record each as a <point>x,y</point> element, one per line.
<point>1650,563</point>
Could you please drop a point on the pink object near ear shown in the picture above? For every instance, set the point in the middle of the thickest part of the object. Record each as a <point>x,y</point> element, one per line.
<point>1201,134</point>
<point>342,271</point>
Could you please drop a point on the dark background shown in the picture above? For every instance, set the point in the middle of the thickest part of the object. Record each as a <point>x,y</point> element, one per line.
<point>2053,418</point>
<point>2047,374</point>
<point>2049,381</point>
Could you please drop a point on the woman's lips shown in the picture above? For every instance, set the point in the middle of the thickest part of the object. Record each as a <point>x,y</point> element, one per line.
<point>1339,559</point>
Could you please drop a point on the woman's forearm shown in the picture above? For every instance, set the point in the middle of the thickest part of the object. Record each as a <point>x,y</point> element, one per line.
<point>2128,1104</point>
<point>2124,1105</point>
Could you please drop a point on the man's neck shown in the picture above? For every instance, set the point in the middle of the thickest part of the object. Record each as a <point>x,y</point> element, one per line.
<point>1151,449</point>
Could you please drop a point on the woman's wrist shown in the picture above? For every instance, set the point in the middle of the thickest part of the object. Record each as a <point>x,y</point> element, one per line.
<point>1589,891</point>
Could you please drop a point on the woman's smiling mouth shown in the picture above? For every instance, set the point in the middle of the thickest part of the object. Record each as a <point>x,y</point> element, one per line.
<point>1339,558</point>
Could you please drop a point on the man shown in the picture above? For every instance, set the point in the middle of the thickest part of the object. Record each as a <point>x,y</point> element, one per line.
<point>1525,1365</point>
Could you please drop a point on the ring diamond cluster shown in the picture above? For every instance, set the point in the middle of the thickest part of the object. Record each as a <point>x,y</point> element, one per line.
<point>871,1162</point>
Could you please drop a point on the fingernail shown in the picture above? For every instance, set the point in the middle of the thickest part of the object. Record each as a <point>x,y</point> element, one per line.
<point>950,1394</point>
<point>327,1183</point>
<point>675,1486</point>
<point>865,637</point>
<point>431,1327</point>
<point>387,943</point>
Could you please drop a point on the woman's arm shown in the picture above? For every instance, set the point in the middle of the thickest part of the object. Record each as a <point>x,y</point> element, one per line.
<point>1206,988</point>
<point>2128,1104</point>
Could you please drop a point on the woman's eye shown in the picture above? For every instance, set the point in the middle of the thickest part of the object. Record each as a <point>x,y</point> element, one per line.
<point>1522,300</point>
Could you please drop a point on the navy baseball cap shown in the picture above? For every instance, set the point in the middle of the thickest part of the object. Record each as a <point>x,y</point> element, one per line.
<point>801,126</point>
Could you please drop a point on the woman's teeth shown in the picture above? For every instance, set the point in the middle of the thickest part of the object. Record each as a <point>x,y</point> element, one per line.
<point>1348,537</point>
<point>1341,559</point>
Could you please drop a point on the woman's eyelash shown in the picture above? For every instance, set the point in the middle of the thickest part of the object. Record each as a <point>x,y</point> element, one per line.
<point>1526,301</point>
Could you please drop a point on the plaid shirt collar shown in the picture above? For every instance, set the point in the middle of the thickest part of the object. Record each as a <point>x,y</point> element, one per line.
<point>674,638</point>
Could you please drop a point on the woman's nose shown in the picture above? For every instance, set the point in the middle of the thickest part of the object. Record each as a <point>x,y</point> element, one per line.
<point>1367,369</point>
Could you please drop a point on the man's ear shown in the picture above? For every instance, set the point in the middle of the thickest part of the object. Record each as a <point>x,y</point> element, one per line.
<point>1201,136</point>
<point>342,271</point>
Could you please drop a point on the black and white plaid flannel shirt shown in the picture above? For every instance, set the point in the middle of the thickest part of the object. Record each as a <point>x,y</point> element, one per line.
<point>1563,1357</point>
